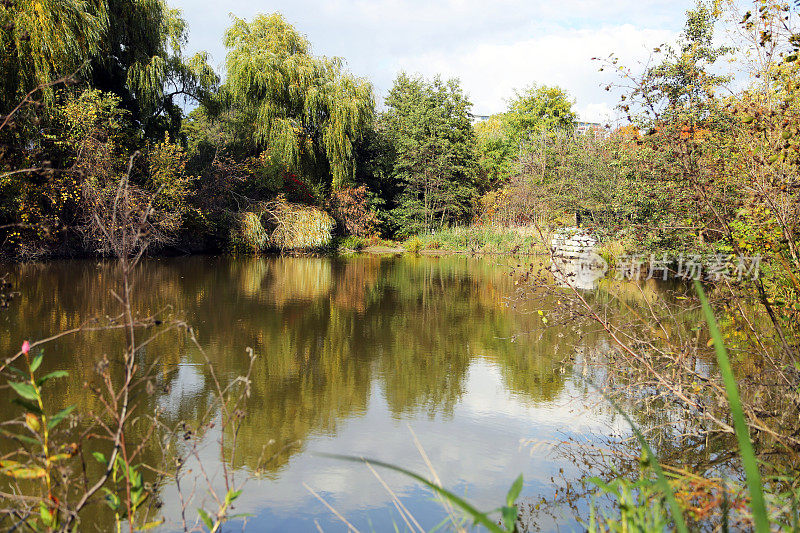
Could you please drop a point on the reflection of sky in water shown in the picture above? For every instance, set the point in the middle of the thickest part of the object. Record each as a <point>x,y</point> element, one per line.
<point>478,452</point>
<point>351,351</point>
<point>189,381</point>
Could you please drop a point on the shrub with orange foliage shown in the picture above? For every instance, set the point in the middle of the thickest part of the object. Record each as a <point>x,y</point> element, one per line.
<point>352,212</point>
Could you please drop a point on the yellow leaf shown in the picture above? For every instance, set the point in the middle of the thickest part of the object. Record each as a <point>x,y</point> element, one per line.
<point>32,422</point>
<point>150,525</point>
<point>33,472</point>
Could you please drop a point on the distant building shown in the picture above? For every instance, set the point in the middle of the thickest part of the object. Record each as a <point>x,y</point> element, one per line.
<point>582,128</point>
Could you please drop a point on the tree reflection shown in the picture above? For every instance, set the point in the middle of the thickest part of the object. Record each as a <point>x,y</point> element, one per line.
<point>331,336</point>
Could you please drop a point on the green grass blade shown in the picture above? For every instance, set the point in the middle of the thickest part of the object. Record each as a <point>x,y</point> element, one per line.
<point>754,484</point>
<point>477,516</point>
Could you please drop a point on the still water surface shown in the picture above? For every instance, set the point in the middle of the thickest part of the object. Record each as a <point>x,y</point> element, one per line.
<point>355,356</point>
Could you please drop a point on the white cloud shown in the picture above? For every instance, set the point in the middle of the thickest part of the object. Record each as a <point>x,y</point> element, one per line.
<point>493,47</point>
<point>490,72</point>
<point>485,432</point>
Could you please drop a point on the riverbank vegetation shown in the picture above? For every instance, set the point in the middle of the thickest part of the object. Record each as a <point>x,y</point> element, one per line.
<point>286,128</point>
<point>289,132</point>
<point>115,143</point>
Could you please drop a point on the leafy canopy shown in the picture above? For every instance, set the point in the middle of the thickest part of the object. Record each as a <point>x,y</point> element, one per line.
<point>131,48</point>
<point>684,82</point>
<point>429,123</point>
<point>307,110</point>
<point>537,109</point>
<point>502,138</point>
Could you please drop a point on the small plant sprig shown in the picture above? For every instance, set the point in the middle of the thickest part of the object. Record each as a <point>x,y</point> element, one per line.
<point>43,455</point>
<point>640,504</point>
<point>115,499</point>
<point>214,522</point>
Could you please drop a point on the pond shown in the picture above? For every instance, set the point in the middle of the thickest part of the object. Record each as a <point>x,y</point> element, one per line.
<point>380,357</point>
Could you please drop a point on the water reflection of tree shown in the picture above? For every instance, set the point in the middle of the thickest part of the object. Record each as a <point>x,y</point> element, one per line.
<point>324,330</point>
<point>658,322</point>
<point>537,370</point>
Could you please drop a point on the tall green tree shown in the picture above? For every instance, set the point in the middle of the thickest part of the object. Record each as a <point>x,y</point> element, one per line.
<point>681,86</point>
<point>495,148</point>
<point>674,105</point>
<point>430,125</point>
<point>532,114</point>
<point>308,110</point>
<point>141,60</point>
<point>539,109</point>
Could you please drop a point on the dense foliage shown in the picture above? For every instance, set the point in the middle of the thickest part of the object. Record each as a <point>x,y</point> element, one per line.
<point>284,124</point>
<point>289,151</point>
<point>694,172</point>
<point>102,102</point>
<point>428,122</point>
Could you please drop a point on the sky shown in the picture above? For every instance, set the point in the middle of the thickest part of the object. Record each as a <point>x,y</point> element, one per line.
<point>492,47</point>
<point>487,417</point>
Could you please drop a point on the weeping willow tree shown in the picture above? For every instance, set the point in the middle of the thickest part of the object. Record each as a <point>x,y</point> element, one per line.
<point>131,48</point>
<point>43,40</point>
<point>307,110</point>
<point>141,61</point>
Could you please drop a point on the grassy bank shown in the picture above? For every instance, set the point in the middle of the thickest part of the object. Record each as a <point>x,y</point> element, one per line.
<point>478,239</point>
<point>457,239</point>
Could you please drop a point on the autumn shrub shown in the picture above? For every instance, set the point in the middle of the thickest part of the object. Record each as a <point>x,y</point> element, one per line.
<point>504,207</point>
<point>282,225</point>
<point>299,190</point>
<point>350,207</point>
<point>167,174</point>
<point>155,184</point>
<point>297,226</point>
<point>79,135</point>
<point>520,203</point>
<point>414,245</point>
<point>248,234</point>
<point>90,145</point>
